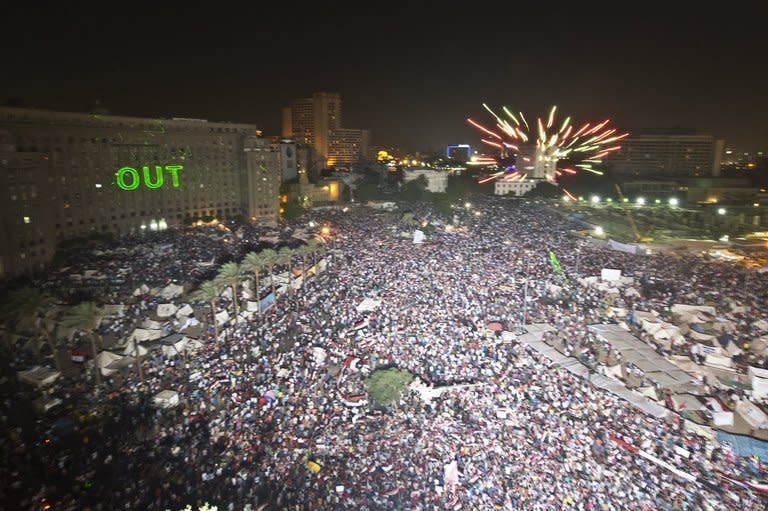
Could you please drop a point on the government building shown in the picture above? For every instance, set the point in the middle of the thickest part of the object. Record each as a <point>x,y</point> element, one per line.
<point>71,175</point>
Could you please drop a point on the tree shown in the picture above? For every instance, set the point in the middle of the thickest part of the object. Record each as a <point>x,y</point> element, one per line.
<point>270,259</point>
<point>209,292</point>
<point>254,263</point>
<point>303,251</point>
<point>85,317</point>
<point>285,254</point>
<point>230,275</point>
<point>27,303</point>
<point>387,385</point>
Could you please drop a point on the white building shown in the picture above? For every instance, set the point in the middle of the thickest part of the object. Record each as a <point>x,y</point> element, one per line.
<point>516,188</point>
<point>437,181</point>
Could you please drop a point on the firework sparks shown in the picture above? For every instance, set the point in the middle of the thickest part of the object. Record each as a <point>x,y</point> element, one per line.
<point>553,142</point>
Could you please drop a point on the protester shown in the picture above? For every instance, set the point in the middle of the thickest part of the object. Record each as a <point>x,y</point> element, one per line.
<point>258,403</point>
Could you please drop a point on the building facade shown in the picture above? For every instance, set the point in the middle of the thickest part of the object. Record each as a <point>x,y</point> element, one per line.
<point>668,155</point>
<point>437,181</point>
<point>316,122</point>
<point>516,188</point>
<point>68,175</point>
<point>347,146</point>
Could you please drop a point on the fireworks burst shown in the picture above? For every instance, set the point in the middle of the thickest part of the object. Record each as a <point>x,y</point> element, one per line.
<point>544,147</point>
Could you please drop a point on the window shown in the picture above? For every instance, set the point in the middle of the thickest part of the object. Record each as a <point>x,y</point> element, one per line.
<point>27,220</point>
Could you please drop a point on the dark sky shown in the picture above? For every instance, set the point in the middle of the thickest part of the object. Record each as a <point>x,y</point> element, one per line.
<point>411,76</point>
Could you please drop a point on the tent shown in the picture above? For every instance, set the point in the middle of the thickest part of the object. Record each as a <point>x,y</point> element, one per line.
<point>166,310</point>
<point>759,380</point>
<point>141,290</point>
<point>368,305</point>
<point>171,291</point>
<point>38,376</point>
<point>222,317</point>
<point>185,311</point>
<point>145,334</point>
<point>166,399</point>
<point>104,360</point>
<point>418,237</point>
<point>610,275</point>
<point>753,415</point>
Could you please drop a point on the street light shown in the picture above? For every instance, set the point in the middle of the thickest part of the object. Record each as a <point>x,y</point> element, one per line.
<point>720,211</point>
<point>674,202</point>
<point>467,205</point>
<point>599,231</point>
<point>658,201</point>
<point>595,199</point>
<point>641,201</point>
<point>312,223</point>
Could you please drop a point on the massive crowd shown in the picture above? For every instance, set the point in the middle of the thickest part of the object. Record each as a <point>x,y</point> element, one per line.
<point>258,404</point>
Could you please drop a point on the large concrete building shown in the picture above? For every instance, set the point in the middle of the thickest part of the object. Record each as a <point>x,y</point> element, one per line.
<point>316,122</point>
<point>667,155</point>
<point>67,175</point>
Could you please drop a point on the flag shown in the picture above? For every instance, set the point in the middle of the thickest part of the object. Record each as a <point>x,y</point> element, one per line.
<point>555,263</point>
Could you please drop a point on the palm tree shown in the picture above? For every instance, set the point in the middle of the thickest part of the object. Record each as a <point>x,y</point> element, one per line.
<point>270,259</point>
<point>30,303</point>
<point>85,317</point>
<point>230,275</point>
<point>285,254</point>
<point>314,248</point>
<point>209,292</point>
<point>254,263</point>
<point>303,251</point>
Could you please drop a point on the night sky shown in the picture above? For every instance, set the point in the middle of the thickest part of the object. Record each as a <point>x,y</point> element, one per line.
<point>410,76</point>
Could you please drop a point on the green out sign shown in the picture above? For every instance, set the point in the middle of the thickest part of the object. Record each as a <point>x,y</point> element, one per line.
<point>128,178</point>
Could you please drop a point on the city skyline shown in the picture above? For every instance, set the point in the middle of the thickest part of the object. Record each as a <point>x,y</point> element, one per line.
<point>412,81</point>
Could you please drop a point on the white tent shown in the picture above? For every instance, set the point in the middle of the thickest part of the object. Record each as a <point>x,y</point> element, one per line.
<point>222,317</point>
<point>146,334</point>
<point>368,305</point>
<point>418,237</point>
<point>166,399</point>
<point>610,275</point>
<point>166,310</point>
<point>759,380</point>
<point>103,361</point>
<point>185,311</point>
<point>141,290</point>
<point>752,415</point>
<point>133,347</point>
<point>714,360</point>
<point>151,325</point>
<point>171,291</point>
<point>38,376</point>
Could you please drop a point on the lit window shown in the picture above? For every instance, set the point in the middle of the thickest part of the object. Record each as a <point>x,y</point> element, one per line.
<point>26,220</point>
<point>98,185</point>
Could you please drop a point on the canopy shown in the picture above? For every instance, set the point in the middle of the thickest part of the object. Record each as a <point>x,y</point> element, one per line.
<point>166,310</point>
<point>38,376</point>
<point>171,291</point>
<point>166,399</point>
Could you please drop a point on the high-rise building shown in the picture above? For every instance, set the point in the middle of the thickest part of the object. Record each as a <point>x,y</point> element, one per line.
<point>316,122</point>
<point>458,152</point>
<point>670,155</point>
<point>347,146</point>
<point>65,175</point>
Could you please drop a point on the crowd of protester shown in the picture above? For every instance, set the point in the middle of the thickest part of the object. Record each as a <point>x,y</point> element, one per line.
<point>258,406</point>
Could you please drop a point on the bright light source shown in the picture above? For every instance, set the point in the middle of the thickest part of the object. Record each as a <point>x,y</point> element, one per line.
<point>657,201</point>
<point>467,205</point>
<point>625,200</point>
<point>312,223</point>
<point>609,200</point>
<point>640,201</point>
<point>345,209</point>
<point>595,199</point>
<point>325,230</point>
<point>720,211</point>
<point>27,220</point>
<point>98,185</point>
<point>477,213</point>
<point>756,204</point>
<point>673,201</point>
<point>599,231</point>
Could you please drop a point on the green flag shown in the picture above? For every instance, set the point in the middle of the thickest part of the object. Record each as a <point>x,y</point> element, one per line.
<point>555,263</point>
